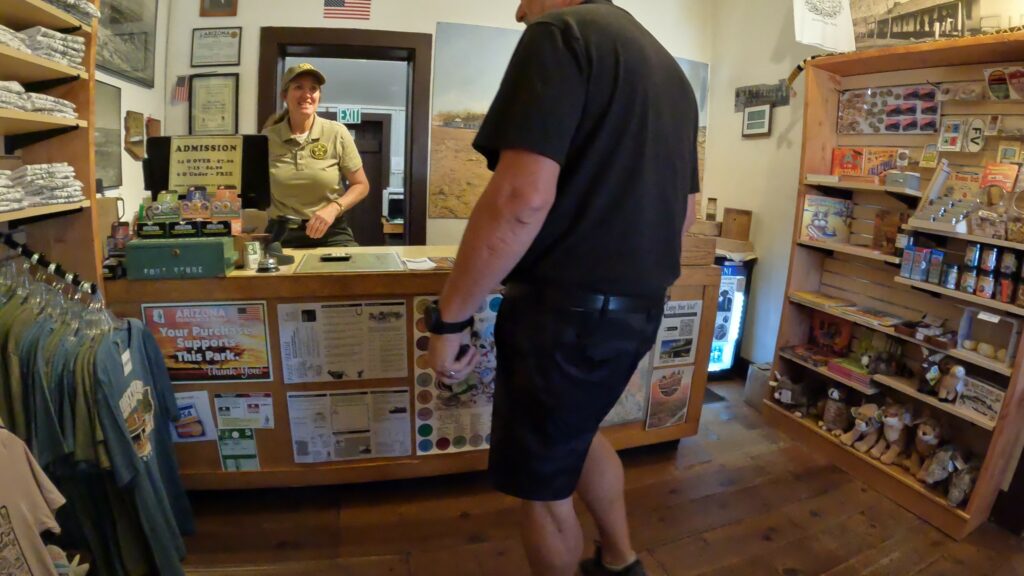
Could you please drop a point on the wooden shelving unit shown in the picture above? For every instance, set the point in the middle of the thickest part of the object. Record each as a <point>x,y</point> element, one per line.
<point>966,356</point>
<point>869,390</point>
<point>66,233</point>
<point>27,68</point>
<point>971,298</point>
<point>14,122</point>
<point>858,251</point>
<point>865,279</point>
<point>809,180</point>
<point>21,14</point>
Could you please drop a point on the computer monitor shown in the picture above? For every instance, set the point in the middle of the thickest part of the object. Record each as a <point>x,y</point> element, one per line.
<point>255,169</point>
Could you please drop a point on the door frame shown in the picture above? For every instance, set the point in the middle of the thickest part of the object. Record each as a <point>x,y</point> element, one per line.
<point>277,43</point>
<point>385,162</point>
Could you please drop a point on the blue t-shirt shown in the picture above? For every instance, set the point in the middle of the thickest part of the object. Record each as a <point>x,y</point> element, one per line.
<point>134,411</point>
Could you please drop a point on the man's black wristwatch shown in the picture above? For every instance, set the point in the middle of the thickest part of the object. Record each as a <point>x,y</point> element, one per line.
<point>437,326</point>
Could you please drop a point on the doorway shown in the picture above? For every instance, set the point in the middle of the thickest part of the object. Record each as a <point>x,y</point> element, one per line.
<point>392,136</point>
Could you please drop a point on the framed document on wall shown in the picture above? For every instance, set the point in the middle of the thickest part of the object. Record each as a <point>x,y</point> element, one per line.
<point>213,104</point>
<point>216,47</point>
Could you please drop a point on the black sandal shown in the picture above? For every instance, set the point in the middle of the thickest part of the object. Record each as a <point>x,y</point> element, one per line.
<point>595,566</point>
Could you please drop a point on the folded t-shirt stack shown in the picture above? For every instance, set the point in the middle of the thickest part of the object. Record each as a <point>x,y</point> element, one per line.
<point>50,105</point>
<point>47,184</point>
<point>12,39</point>
<point>83,10</point>
<point>52,45</point>
<point>12,96</point>
<point>11,197</point>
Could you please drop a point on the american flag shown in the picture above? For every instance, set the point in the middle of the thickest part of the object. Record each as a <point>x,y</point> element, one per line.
<point>347,9</point>
<point>181,89</point>
<point>250,313</point>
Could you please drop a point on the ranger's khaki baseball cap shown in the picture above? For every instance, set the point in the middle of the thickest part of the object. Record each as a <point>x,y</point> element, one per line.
<point>298,69</point>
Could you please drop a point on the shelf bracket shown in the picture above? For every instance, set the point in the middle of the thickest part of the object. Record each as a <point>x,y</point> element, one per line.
<point>19,141</point>
<point>44,85</point>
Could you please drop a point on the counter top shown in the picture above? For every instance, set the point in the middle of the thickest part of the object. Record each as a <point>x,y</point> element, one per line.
<point>402,252</point>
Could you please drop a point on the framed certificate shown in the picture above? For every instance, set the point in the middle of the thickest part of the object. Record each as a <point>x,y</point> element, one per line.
<point>216,47</point>
<point>213,104</point>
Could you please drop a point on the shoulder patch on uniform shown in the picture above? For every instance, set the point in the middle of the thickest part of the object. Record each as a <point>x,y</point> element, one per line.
<point>318,151</point>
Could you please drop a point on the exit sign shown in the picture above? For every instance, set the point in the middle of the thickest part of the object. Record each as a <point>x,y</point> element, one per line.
<point>350,115</point>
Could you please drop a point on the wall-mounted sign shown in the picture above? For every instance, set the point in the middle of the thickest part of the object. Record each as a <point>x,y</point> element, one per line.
<point>350,115</point>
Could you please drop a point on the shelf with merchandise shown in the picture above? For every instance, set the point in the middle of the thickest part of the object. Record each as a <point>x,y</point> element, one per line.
<point>22,14</point>
<point>27,69</point>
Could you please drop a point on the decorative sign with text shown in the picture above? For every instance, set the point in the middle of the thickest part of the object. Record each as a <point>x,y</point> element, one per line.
<point>209,161</point>
<point>212,342</point>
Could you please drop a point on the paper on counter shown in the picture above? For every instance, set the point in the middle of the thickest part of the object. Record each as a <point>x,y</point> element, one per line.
<point>349,425</point>
<point>419,263</point>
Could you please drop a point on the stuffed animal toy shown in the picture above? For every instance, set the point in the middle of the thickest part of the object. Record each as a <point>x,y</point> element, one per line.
<point>941,465</point>
<point>866,428</point>
<point>835,412</point>
<point>893,442</point>
<point>884,363</point>
<point>952,384</point>
<point>962,483</point>
<point>926,441</point>
<point>794,396</point>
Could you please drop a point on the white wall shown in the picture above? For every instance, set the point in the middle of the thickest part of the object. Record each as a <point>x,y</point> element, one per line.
<point>758,174</point>
<point>149,102</point>
<point>682,25</point>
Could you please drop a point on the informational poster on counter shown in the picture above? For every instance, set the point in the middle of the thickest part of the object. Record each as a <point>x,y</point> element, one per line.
<point>212,342</point>
<point>244,410</point>
<point>456,417</point>
<point>670,396</point>
<point>195,421</point>
<point>238,452</point>
<point>343,341</point>
<point>677,337</point>
<point>349,425</point>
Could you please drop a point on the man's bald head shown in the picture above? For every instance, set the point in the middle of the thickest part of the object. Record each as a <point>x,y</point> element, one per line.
<point>530,10</point>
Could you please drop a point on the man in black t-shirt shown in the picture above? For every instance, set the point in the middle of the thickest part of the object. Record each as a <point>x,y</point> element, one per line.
<point>593,142</point>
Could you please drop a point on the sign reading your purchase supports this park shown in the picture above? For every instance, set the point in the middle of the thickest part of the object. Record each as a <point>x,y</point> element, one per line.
<point>212,342</point>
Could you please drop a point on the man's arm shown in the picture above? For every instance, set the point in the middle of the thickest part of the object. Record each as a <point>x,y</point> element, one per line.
<point>504,223</point>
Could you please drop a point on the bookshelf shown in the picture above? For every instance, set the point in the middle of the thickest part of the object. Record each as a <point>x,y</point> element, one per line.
<point>867,279</point>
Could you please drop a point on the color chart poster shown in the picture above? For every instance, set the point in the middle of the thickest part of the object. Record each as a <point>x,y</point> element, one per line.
<point>212,342</point>
<point>456,417</point>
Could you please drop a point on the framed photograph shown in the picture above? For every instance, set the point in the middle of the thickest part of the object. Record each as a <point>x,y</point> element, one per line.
<point>213,104</point>
<point>126,46</point>
<point>107,131</point>
<point>757,120</point>
<point>216,47</point>
<point>217,8</point>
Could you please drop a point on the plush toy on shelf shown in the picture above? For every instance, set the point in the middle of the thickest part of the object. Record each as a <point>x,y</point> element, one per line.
<point>835,412</point>
<point>941,465</point>
<point>895,438</point>
<point>962,483</point>
<point>866,428</point>
<point>927,436</point>
<point>952,383</point>
<point>794,396</point>
<point>884,363</point>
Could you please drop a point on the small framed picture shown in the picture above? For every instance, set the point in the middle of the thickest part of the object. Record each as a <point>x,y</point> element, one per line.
<point>216,47</point>
<point>213,104</point>
<point>217,8</point>
<point>757,120</point>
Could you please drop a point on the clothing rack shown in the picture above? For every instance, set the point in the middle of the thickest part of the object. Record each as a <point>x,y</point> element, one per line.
<point>52,268</point>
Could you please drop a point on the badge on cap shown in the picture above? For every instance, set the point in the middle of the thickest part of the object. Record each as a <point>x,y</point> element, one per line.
<point>318,151</point>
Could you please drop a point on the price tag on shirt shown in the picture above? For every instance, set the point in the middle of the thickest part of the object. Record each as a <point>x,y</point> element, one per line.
<point>988,317</point>
<point>126,361</point>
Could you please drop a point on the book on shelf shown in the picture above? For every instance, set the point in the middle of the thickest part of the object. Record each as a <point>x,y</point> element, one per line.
<point>810,354</point>
<point>850,369</point>
<point>826,219</point>
<point>874,316</point>
<point>819,299</point>
<point>822,179</point>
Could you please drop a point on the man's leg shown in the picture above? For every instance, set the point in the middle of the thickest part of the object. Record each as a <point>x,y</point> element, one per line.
<point>602,488</point>
<point>552,537</point>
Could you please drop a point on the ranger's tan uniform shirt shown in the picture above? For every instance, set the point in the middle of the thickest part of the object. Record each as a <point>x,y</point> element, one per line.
<point>305,176</point>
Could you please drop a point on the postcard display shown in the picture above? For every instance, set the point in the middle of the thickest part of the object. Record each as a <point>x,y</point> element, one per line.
<point>921,197</point>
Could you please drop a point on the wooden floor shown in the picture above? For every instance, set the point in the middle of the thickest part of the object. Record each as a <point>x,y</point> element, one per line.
<point>739,499</point>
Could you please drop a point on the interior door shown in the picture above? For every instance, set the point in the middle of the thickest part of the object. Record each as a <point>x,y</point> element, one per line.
<point>373,141</point>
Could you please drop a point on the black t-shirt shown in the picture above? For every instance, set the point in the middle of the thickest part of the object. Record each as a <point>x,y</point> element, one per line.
<point>591,89</point>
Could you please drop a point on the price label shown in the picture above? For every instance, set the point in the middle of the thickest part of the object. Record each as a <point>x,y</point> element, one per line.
<point>988,317</point>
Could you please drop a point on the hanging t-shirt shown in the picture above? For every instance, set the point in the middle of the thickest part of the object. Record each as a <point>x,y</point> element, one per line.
<point>131,406</point>
<point>27,504</point>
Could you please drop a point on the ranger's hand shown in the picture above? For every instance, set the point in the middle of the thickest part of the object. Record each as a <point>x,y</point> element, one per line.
<point>322,220</point>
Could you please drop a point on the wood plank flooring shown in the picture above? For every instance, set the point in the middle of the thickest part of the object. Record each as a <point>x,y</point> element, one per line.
<point>739,499</point>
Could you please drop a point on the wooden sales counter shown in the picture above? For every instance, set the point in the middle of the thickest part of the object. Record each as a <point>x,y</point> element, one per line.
<point>200,462</point>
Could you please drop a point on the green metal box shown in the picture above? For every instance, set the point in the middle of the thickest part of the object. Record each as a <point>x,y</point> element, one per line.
<point>181,258</point>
